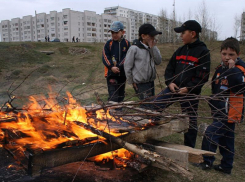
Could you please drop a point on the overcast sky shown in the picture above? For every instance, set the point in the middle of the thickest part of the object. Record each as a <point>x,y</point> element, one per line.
<point>222,11</point>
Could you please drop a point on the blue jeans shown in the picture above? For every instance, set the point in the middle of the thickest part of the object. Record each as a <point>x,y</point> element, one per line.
<point>220,134</point>
<point>189,105</point>
<point>116,88</point>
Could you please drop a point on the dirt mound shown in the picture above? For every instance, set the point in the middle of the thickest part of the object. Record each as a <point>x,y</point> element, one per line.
<point>78,51</point>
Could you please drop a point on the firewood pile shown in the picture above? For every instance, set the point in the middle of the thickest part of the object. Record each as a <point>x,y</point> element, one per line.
<point>45,136</point>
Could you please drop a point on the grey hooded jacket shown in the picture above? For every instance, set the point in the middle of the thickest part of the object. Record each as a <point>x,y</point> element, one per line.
<point>140,63</point>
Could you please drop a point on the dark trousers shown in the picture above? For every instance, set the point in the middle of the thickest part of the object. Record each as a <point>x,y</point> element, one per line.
<point>116,88</point>
<point>144,91</point>
<point>220,134</point>
<point>188,105</point>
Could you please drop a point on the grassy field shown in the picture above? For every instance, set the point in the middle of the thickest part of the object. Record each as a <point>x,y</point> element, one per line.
<point>78,69</point>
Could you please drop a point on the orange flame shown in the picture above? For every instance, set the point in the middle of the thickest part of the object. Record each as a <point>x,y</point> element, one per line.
<point>45,123</point>
<point>122,153</point>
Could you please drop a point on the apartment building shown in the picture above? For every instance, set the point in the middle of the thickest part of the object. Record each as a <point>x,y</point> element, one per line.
<point>85,26</point>
<point>136,19</point>
<point>242,34</point>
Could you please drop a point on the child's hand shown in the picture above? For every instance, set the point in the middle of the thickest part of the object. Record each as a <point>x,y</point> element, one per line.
<point>231,63</point>
<point>183,90</point>
<point>135,86</point>
<point>173,87</point>
<point>152,42</point>
<point>115,69</point>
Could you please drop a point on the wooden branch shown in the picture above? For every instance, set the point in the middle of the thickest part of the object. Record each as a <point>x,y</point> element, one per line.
<point>157,160</point>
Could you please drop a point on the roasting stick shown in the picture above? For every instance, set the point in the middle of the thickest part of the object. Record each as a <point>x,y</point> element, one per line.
<point>156,159</point>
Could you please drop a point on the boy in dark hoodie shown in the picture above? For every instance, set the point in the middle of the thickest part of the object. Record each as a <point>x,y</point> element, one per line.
<point>227,106</point>
<point>186,73</point>
<point>113,58</point>
<point>140,62</point>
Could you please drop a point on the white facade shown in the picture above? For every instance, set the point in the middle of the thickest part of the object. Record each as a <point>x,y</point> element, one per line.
<point>136,18</point>
<point>84,26</point>
<point>242,35</point>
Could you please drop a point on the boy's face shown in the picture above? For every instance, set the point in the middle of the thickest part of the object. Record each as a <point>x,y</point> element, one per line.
<point>117,35</point>
<point>228,54</point>
<point>188,36</point>
<point>147,39</point>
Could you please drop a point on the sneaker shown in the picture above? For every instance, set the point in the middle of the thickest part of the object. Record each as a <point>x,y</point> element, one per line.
<point>205,166</point>
<point>219,168</point>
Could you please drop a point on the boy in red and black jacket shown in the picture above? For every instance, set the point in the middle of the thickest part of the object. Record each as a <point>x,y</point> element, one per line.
<point>113,58</point>
<point>186,73</point>
<point>227,106</point>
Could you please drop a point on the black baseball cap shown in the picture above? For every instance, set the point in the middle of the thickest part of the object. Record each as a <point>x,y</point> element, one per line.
<point>148,29</point>
<point>192,25</point>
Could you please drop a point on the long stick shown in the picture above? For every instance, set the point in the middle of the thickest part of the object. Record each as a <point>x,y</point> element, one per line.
<point>156,159</point>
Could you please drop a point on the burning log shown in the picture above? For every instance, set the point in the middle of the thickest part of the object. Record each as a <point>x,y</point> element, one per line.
<point>139,166</point>
<point>156,159</point>
<point>38,159</point>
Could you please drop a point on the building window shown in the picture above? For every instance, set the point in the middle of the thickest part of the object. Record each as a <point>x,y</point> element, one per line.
<point>65,16</point>
<point>65,22</point>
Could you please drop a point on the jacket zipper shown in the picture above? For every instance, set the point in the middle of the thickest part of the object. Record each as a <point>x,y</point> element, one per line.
<point>119,59</point>
<point>184,65</point>
<point>151,65</point>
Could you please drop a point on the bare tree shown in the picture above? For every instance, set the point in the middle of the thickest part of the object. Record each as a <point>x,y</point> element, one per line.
<point>163,26</point>
<point>203,18</point>
<point>237,25</point>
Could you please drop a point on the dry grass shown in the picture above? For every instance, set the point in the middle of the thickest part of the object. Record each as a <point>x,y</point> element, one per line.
<point>83,74</point>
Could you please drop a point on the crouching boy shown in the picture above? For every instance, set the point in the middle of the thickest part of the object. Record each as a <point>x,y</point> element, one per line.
<point>227,106</point>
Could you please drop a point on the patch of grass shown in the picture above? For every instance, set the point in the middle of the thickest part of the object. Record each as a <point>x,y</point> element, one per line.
<point>64,50</point>
<point>44,69</point>
<point>16,72</point>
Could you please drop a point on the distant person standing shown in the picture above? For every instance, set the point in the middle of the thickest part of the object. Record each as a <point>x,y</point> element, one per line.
<point>73,39</point>
<point>113,57</point>
<point>77,39</point>
<point>48,39</point>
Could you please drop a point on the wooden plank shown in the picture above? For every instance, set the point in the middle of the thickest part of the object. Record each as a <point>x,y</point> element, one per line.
<point>158,132</point>
<point>195,155</point>
<point>180,157</point>
<point>47,52</point>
